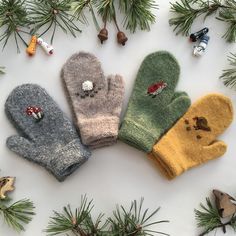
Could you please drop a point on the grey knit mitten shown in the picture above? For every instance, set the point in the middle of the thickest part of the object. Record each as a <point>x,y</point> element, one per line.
<point>96,101</point>
<point>47,136</point>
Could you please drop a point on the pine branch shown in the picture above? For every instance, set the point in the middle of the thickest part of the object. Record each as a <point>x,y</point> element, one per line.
<point>51,14</point>
<point>134,221</point>
<point>188,11</point>
<point>228,15</point>
<point>138,14</point>
<point>229,75</point>
<point>17,214</point>
<point>79,6</point>
<point>78,222</point>
<point>105,9</point>
<point>13,16</point>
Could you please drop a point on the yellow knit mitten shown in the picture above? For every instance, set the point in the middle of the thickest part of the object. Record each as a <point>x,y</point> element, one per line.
<point>192,140</point>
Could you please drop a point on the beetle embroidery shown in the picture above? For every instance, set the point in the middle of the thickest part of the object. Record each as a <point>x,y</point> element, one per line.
<point>156,88</point>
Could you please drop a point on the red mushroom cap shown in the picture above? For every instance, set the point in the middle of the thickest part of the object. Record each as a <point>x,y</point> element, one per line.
<point>29,110</point>
<point>36,109</point>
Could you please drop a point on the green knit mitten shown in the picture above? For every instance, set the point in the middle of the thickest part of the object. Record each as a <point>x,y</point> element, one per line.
<point>154,105</point>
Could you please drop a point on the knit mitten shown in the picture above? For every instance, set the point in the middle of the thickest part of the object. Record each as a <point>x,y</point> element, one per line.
<point>154,105</point>
<point>192,141</point>
<point>96,101</point>
<point>48,138</point>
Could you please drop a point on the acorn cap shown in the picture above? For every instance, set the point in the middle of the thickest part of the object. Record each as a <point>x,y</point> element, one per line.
<point>121,38</point>
<point>103,35</point>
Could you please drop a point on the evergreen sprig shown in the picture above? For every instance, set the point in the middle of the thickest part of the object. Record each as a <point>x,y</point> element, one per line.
<point>209,219</point>
<point>138,14</point>
<point>13,17</point>
<point>132,222</point>
<point>229,75</point>
<point>78,222</point>
<point>188,10</point>
<point>17,214</point>
<point>79,7</point>
<point>51,14</point>
<point>105,9</point>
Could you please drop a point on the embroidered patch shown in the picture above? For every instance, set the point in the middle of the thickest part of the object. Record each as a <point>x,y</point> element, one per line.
<point>35,112</point>
<point>201,124</point>
<point>155,89</point>
<point>89,89</point>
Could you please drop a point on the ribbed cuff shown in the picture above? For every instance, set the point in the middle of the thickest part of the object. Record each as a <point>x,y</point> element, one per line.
<point>100,131</point>
<point>168,161</point>
<point>137,136</point>
<point>67,159</point>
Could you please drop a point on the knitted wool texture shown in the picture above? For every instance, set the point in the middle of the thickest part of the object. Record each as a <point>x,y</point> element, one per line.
<point>192,141</point>
<point>150,115</point>
<point>98,110</point>
<point>51,142</point>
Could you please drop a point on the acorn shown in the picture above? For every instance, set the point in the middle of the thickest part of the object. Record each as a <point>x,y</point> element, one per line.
<point>121,38</point>
<point>103,35</point>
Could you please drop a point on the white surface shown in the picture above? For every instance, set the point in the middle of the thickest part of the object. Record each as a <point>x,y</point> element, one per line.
<point>120,173</point>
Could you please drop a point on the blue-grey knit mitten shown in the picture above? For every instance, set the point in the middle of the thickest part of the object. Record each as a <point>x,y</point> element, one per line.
<point>48,137</point>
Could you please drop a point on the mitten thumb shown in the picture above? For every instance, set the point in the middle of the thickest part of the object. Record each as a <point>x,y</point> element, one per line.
<point>213,151</point>
<point>115,88</point>
<point>21,146</point>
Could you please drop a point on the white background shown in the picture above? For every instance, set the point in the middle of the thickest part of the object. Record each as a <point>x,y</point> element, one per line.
<point>120,173</point>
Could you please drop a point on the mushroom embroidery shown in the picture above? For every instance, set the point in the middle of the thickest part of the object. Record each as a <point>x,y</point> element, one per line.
<point>156,88</point>
<point>35,112</point>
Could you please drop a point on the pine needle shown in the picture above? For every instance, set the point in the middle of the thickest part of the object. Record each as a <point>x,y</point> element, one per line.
<point>52,14</point>
<point>134,221</point>
<point>13,17</point>
<point>18,214</point>
<point>138,14</point>
<point>229,75</point>
<point>187,11</point>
